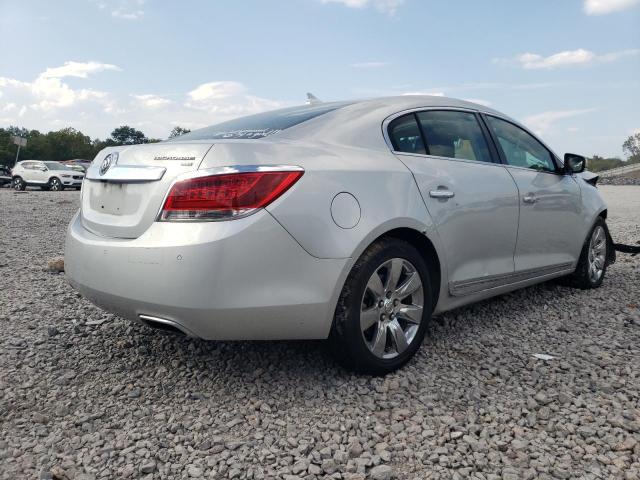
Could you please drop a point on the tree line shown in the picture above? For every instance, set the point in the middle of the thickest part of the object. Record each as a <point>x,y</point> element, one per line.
<point>631,148</point>
<point>68,143</point>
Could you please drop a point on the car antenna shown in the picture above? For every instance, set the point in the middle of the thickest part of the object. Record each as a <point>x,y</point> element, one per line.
<point>312,99</point>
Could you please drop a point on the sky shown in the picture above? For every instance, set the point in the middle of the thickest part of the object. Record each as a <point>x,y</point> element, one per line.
<point>568,69</point>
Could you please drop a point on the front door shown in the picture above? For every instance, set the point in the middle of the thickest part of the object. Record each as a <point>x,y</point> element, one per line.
<point>551,227</point>
<point>39,173</point>
<point>471,198</point>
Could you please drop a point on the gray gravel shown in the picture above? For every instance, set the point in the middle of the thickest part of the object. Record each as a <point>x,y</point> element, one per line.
<point>85,395</point>
<point>620,180</point>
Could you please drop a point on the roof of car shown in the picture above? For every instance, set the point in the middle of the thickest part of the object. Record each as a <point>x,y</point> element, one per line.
<point>358,122</point>
<point>416,101</point>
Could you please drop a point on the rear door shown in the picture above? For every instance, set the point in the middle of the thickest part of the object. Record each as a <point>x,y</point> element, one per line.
<point>30,172</point>
<point>550,226</point>
<point>470,196</point>
<point>125,186</point>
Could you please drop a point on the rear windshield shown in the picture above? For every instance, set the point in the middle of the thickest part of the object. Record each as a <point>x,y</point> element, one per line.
<point>261,124</point>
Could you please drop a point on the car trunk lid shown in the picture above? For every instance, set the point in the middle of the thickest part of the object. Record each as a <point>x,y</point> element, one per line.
<point>125,186</point>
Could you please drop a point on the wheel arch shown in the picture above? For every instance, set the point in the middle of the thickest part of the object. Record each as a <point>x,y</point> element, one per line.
<point>413,236</point>
<point>427,250</point>
<point>52,178</point>
<point>611,250</point>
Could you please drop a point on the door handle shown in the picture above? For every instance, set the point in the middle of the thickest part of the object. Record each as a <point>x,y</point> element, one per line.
<point>441,194</point>
<point>530,198</point>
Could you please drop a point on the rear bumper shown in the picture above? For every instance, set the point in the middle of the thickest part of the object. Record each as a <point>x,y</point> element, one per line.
<point>244,279</point>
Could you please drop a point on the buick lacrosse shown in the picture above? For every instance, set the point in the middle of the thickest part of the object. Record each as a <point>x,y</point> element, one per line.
<point>352,221</point>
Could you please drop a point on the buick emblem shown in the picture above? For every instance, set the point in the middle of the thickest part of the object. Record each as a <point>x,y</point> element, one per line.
<point>109,160</point>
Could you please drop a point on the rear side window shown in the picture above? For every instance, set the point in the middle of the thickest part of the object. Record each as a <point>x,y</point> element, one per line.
<point>261,124</point>
<point>454,135</point>
<point>405,135</point>
<point>520,148</point>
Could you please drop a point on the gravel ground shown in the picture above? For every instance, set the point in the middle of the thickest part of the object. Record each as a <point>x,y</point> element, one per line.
<point>630,179</point>
<point>84,394</point>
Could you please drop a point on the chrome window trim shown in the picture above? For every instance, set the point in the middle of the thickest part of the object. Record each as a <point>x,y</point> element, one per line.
<point>391,118</point>
<point>225,170</point>
<point>559,174</point>
<point>449,159</point>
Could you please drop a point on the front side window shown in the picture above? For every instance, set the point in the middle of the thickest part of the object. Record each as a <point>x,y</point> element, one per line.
<point>56,166</point>
<point>405,135</point>
<point>454,135</point>
<point>520,148</point>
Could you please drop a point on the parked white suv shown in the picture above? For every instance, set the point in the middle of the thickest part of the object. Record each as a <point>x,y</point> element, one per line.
<point>46,175</point>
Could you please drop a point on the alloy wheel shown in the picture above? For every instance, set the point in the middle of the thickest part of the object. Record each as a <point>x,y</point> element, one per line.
<point>597,253</point>
<point>391,308</point>
<point>55,185</point>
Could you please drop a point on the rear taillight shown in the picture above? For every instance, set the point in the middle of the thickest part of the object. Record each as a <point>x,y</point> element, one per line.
<point>225,196</point>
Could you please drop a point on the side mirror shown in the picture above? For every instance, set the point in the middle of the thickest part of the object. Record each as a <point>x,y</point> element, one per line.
<point>43,169</point>
<point>574,163</point>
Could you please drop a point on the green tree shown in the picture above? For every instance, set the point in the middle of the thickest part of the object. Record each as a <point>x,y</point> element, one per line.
<point>126,135</point>
<point>67,144</point>
<point>177,131</point>
<point>7,148</point>
<point>631,147</point>
<point>598,164</point>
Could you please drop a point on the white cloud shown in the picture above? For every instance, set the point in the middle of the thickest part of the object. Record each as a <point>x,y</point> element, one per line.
<point>123,9</point>
<point>77,69</point>
<point>227,99</point>
<point>48,92</point>
<point>569,57</point>
<point>369,64</point>
<point>531,61</point>
<point>49,103</point>
<point>433,94</point>
<point>540,123</point>
<point>386,6</point>
<point>613,56</point>
<point>152,101</point>
<point>602,7</point>
<point>216,90</point>
<point>127,15</point>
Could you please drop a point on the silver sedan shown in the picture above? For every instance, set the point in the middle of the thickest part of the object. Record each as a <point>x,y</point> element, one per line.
<point>352,221</point>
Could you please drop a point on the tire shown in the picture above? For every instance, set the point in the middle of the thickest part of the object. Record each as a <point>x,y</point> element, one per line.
<point>55,185</point>
<point>369,325</point>
<point>18,184</point>
<point>594,258</point>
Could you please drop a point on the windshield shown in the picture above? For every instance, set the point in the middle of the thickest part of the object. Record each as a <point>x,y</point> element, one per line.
<point>261,124</point>
<point>56,166</point>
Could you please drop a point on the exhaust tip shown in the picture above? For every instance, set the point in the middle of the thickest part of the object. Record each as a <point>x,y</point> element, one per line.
<point>165,325</point>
